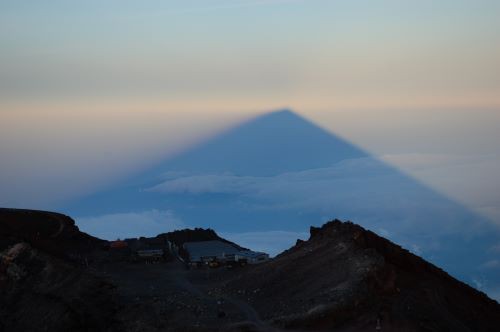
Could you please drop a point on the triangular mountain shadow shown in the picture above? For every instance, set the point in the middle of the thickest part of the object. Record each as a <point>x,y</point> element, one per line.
<point>270,144</point>
<point>279,171</point>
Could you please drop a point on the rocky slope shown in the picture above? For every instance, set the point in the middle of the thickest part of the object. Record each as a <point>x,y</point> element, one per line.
<point>39,292</point>
<point>347,278</point>
<point>344,278</point>
<point>44,281</point>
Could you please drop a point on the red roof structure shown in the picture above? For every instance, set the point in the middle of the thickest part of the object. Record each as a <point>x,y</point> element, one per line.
<point>118,244</point>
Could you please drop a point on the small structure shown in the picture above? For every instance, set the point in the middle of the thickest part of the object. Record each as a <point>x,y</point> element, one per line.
<point>251,257</point>
<point>118,244</point>
<point>151,255</point>
<point>119,250</point>
<point>216,252</point>
<point>149,250</point>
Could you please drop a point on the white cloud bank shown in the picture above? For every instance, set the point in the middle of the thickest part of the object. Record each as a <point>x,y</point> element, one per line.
<point>292,188</point>
<point>130,224</point>
<point>356,180</point>
<point>364,190</point>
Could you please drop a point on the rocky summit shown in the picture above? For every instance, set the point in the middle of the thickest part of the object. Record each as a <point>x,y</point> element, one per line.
<point>347,278</point>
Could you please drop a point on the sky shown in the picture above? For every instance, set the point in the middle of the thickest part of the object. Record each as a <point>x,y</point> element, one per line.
<point>93,91</point>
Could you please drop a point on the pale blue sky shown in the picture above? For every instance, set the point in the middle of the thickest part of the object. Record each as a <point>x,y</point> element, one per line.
<point>99,88</point>
<point>252,49</point>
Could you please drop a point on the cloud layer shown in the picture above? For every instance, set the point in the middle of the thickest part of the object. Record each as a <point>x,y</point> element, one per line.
<point>129,225</point>
<point>362,189</point>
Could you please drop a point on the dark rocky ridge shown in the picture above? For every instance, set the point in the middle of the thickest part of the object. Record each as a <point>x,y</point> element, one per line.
<point>344,278</point>
<point>51,232</point>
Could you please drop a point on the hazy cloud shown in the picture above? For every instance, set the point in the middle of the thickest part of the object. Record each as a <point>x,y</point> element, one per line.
<point>272,242</point>
<point>472,180</point>
<point>410,161</point>
<point>211,183</point>
<point>492,264</point>
<point>495,248</point>
<point>130,224</point>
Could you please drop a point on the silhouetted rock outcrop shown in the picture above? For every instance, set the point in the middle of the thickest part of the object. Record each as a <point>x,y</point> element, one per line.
<point>50,232</point>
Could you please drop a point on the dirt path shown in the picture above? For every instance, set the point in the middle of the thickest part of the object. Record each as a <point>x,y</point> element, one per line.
<point>139,282</point>
<point>246,309</point>
<point>251,314</point>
